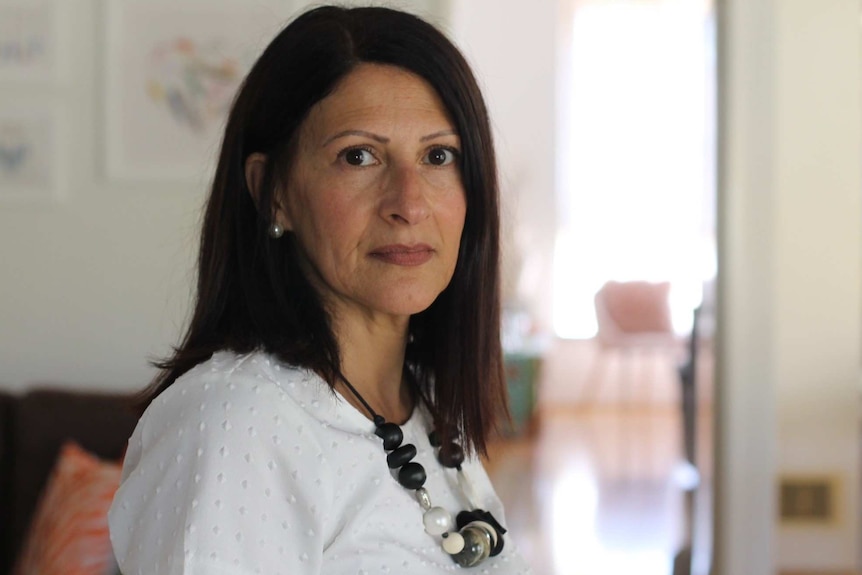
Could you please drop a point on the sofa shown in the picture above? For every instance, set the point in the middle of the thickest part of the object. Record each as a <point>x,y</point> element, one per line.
<point>34,426</point>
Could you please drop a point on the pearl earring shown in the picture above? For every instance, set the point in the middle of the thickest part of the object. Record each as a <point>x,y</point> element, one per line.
<point>275,231</point>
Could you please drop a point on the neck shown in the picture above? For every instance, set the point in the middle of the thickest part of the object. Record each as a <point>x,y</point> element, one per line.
<point>372,359</point>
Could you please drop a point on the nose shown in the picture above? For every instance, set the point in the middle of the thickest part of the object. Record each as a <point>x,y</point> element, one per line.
<point>406,198</point>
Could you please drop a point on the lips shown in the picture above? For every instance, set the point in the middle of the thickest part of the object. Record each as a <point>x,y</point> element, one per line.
<point>403,255</point>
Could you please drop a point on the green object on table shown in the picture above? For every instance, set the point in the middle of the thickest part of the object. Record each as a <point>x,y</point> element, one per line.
<point>522,371</point>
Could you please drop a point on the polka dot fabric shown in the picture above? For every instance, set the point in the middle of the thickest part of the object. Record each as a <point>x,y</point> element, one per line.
<point>246,466</point>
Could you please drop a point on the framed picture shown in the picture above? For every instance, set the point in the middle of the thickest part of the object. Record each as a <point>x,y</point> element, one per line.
<point>28,154</point>
<point>172,71</point>
<point>28,40</point>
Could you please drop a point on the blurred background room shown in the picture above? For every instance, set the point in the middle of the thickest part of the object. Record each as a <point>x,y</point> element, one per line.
<point>682,269</point>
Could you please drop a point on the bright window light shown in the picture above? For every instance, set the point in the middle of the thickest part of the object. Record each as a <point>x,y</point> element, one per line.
<point>638,158</point>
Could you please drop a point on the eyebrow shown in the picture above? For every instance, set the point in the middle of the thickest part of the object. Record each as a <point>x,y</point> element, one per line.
<point>383,139</point>
<point>439,134</point>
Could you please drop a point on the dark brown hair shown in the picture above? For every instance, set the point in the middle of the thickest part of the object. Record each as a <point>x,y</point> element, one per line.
<point>251,293</point>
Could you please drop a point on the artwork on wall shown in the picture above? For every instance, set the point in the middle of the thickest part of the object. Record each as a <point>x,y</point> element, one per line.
<point>28,40</point>
<point>28,154</point>
<point>172,71</point>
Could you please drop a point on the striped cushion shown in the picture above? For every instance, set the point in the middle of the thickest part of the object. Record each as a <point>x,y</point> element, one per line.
<point>69,532</point>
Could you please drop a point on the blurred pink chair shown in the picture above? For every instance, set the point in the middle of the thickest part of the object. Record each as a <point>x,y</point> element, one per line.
<point>634,314</point>
<point>634,317</point>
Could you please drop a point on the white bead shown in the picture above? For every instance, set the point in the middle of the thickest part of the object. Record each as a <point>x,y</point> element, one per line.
<point>423,498</point>
<point>453,543</point>
<point>437,521</point>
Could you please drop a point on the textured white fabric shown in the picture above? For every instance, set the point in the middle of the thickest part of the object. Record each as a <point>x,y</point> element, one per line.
<point>246,466</point>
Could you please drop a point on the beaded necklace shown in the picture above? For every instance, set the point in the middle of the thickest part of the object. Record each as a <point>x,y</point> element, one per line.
<point>476,534</point>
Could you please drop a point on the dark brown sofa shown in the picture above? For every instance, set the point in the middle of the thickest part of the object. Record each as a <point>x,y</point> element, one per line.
<point>33,426</point>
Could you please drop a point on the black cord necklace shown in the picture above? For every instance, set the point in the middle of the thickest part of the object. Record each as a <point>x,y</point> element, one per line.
<point>476,534</point>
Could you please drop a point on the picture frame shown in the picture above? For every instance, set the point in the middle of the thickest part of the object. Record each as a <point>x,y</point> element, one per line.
<point>29,154</point>
<point>172,69</point>
<point>29,41</point>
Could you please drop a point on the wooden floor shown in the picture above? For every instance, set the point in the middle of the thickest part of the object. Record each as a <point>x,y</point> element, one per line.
<point>599,487</point>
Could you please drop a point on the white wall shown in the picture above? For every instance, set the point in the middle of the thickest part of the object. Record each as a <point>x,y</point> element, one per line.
<point>97,281</point>
<point>818,217</point>
<point>790,278</point>
<point>512,48</point>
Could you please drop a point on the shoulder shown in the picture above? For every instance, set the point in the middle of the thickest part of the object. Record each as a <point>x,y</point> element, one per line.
<point>248,406</point>
<point>219,458</point>
<point>230,375</point>
<point>233,404</point>
<point>259,382</point>
<point>230,386</point>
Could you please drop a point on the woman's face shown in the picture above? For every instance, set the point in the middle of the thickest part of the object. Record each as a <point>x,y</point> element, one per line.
<point>374,195</point>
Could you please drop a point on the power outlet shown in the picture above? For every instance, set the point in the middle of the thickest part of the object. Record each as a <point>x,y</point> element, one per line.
<point>808,499</point>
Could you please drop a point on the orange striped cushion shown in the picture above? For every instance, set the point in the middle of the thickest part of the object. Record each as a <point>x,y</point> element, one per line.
<point>69,532</point>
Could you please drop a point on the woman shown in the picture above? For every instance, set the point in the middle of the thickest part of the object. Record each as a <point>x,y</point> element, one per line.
<point>342,369</point>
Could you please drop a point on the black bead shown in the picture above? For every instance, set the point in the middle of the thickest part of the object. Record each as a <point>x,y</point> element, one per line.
<point>434,439</point>
<point>412,475</point>
<point>451,455</point>
<point>498,548</point>
<point>401,456</point>
<point>488,518</point>
<point>391,435</point>
<point>465,517</point>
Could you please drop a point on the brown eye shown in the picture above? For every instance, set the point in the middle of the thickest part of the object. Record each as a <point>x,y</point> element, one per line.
<point>440,157</point>
<point>358,157</point>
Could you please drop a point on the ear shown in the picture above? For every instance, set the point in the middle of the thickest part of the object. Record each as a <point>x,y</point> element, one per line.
<point>255,168</point>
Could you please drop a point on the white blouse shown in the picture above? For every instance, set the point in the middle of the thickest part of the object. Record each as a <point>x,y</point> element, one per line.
<point>247,466</point>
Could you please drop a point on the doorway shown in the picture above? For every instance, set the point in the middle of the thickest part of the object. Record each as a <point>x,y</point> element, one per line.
<point>619,476</point>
